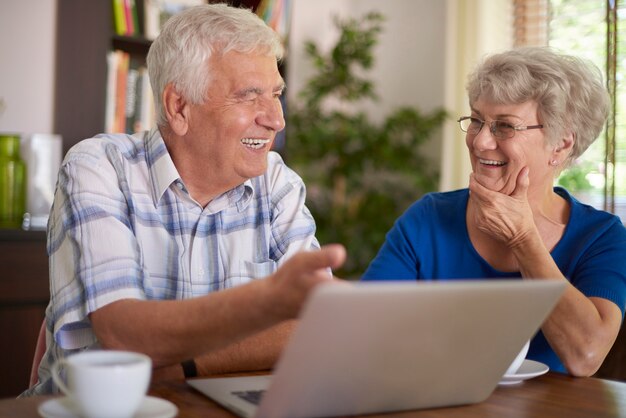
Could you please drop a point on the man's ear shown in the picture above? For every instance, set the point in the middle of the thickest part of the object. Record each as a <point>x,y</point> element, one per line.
<point>176,110</point>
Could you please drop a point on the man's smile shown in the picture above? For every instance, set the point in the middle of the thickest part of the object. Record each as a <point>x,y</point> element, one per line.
<point>254,143</point>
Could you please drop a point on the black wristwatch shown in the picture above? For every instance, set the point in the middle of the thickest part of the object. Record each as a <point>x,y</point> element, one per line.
<point>189,368</point>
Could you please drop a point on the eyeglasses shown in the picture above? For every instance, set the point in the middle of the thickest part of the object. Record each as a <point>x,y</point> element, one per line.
<point>498,128</point>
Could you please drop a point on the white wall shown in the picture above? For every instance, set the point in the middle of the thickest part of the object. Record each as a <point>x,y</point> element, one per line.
<point>27,53</point>
<point>410,57</point>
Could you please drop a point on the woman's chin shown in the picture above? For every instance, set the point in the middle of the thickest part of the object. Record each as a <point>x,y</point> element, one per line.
<point>494,184</point>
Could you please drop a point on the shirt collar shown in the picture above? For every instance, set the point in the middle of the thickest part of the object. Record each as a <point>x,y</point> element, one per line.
<point>161,168</point>
<point>239,196</point>
<point>163,173</point>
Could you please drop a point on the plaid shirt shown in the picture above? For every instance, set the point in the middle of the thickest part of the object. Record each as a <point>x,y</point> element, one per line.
<point>124,226</point>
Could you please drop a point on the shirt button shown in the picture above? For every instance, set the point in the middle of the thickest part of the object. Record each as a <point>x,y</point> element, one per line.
<point>201,273</point>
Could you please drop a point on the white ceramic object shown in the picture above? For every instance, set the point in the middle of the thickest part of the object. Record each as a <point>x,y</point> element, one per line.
<point>104,383</point>
<point>42,154</point>
<point>519,359</point>
<point>528,370</point>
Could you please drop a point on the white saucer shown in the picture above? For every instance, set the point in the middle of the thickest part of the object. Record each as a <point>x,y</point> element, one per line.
<point>151,407</point>
<point>527,370</point>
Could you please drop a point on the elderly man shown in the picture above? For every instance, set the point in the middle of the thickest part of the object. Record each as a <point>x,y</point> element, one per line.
<point>157,240</point>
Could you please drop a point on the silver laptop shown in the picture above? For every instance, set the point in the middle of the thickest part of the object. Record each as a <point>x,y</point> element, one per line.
<point>377,347</point>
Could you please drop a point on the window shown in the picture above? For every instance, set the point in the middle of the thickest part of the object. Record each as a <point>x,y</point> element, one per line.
<point>588,28</point>
<point>530,22</point>
<point>592,29</point>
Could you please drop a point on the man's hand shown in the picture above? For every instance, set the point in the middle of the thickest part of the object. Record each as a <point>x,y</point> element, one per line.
<point>292,283</point>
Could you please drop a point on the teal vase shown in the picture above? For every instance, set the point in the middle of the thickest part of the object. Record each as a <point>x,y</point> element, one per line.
<point>12,182</point>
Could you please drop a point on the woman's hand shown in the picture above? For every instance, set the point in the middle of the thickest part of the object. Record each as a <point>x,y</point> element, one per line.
<point>507,218</point>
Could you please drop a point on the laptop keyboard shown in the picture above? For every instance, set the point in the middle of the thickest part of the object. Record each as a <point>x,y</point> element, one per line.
<point>252,396</point>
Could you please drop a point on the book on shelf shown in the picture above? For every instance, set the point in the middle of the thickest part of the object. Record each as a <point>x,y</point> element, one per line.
<point>109,115</point>
<point>129,102</point>
<point>121,80</point>
<point>126,17</point>
<point>119,17</point>
<point>146,113</point>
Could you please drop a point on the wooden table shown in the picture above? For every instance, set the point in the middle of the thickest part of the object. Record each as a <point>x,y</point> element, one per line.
<point>551,395</point>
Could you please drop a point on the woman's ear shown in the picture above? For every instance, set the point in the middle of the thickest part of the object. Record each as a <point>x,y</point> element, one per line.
<point>564,147</point>
<point>176,110</point>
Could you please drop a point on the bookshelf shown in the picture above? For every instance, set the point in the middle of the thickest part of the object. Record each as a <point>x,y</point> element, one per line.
<point>85,34</point>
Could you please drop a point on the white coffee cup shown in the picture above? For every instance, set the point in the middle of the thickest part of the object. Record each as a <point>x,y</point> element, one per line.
<point>104,383</point>
<point>519,359</point>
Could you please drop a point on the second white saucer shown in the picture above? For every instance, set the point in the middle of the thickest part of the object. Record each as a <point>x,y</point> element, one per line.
<point>527,370</point>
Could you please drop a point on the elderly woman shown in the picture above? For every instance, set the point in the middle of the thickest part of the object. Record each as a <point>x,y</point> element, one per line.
<point>533,112</point>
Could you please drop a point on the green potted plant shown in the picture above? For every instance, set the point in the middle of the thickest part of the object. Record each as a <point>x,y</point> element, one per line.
<point>360,176</point>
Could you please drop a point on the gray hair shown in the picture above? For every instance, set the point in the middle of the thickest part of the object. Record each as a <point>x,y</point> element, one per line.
<point>180,53</point>
<point>569,91</point>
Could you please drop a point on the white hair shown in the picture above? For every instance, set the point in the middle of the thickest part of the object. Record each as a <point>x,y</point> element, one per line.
<point>180,53</point>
